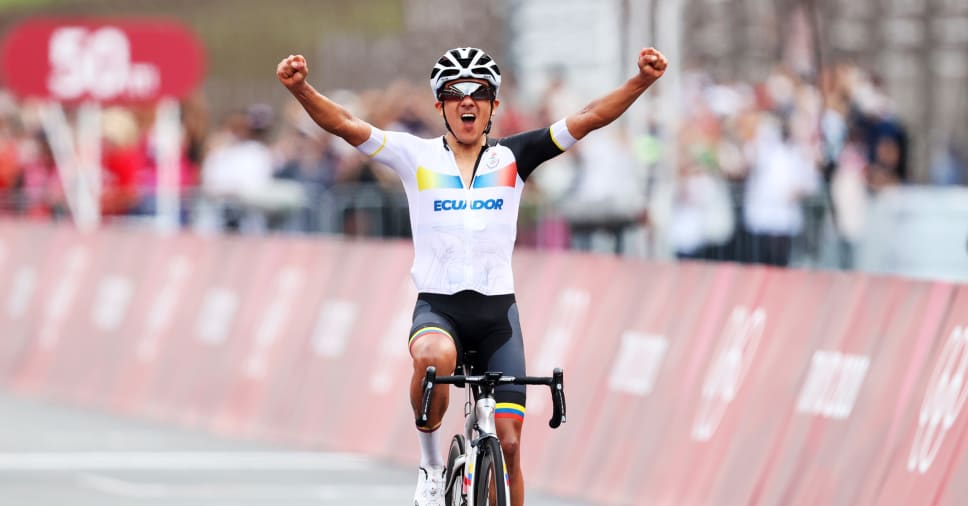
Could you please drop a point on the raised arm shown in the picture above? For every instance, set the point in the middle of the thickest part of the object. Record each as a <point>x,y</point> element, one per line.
<point>329,115</point>
<point>604,110</point>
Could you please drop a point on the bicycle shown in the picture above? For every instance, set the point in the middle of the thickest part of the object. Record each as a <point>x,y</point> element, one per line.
<point>476,473</point>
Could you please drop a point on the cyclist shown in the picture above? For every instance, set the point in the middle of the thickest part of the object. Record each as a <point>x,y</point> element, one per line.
<point>463,190</point>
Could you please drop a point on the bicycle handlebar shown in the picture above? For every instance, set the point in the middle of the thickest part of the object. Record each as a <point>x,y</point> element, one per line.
<point>555,383</point>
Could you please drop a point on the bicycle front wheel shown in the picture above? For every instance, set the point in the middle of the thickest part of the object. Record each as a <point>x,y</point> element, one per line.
<point>455,474</point>
<point>491,480</point>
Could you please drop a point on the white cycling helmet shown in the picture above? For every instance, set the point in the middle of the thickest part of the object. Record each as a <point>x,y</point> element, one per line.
<point>464,63</point>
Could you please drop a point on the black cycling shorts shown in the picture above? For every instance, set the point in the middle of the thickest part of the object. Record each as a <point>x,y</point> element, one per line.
<point>486,324</point>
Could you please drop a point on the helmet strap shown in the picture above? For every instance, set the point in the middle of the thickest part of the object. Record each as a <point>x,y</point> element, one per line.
<point>447,124</point>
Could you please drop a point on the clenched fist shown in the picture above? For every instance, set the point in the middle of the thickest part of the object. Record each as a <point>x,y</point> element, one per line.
<point>292,70</point>
<point>652,64</point>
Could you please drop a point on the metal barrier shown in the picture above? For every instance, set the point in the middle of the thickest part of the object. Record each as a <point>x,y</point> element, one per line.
<point>933,214</point>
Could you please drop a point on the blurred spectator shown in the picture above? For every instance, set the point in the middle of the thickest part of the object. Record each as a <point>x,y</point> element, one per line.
<point>949,166</point>
<point>702,218</point>
<point>780,178</point>
<point>557,100</point>
<point>42,195</point>
<point>237,177</point>
<point>193,124</point>
<point>887,165</point>
<point>308,158</point>
<point>409,112</point>
<point>11,171</point>
<point>703,214</point>
<point>557,177</point>
<point>123,159</point>
<point>511,118</point>
<point>607,196</point>
<point>848,191</point>
<point>370,202</point>
<point>885,138</point>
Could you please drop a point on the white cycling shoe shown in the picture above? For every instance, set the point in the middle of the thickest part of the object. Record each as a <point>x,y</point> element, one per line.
<point>430,486</point>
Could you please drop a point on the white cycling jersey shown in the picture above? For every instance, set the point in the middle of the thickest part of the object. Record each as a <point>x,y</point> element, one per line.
<point>463,234</point>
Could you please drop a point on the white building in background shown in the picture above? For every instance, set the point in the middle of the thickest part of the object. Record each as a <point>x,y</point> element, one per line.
<point>594,43</point>
<point>581,37</point>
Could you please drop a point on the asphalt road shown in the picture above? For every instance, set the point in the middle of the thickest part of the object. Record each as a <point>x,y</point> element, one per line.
<point>54,455</point>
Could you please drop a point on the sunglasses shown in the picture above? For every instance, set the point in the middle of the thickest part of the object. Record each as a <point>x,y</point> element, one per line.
<point>458,91</point>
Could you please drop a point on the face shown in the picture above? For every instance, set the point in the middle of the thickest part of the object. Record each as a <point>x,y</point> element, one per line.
<point>466,105</point>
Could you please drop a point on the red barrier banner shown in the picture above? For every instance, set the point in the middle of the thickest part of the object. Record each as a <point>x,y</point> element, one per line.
<point>825,367</point>
<point>94,308</point>
<point>166,287</point>
<point>717,346</point>
<point>374,363</point>
<point>594,413</point>
<point>941,411</point>
<point>21,256</point>
<point>268,311</point>
<point>929,426</point>
<point>851,381</point>
<point>288,394</point>
<point>193,365</point>
<point>349,336</point>
<point>565,325</point>
<point>64,276</point>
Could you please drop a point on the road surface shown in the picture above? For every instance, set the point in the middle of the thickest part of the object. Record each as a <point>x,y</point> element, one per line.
<point>53,455</point>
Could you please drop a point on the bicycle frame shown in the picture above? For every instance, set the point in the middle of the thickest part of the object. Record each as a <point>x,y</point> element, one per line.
<point>479,423</point>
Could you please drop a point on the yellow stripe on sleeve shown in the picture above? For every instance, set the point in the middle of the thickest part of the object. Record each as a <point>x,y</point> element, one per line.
<point>552,132</point>
<point>381,145</point>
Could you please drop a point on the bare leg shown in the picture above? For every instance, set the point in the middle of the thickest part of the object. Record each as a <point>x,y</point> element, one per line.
<point>509,432</point>
<point>438,350</point>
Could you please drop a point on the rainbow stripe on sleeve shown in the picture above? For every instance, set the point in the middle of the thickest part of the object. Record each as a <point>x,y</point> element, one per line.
<point>509,410</point>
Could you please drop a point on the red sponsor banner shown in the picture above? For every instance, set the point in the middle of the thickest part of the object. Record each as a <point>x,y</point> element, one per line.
<point>284,391</point>
<point>928,424</point>
<point>102,59</point>
<point>270,307</point>
<point>18,281</point>
<point>170,278</point>
<point>64,275</point>
<point>352,354</point>
<point>954,488</point>
<point>596,391</point>
<point>793,404</point>
<point>193,364</point>
<point>383,362</point>
<point>841,400</point>
<point>94,298</point>
<point>568,317</point>
<point>717,344</point>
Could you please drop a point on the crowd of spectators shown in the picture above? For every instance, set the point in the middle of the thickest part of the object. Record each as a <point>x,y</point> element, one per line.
<point>760,163</point>
<point>748,156</point>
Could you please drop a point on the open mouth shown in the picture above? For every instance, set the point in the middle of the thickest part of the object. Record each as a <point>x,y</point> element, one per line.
<point>468,118</point>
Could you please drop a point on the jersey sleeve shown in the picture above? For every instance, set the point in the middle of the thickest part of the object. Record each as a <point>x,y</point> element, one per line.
<point>533,148</point>
<point>392,149</point>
